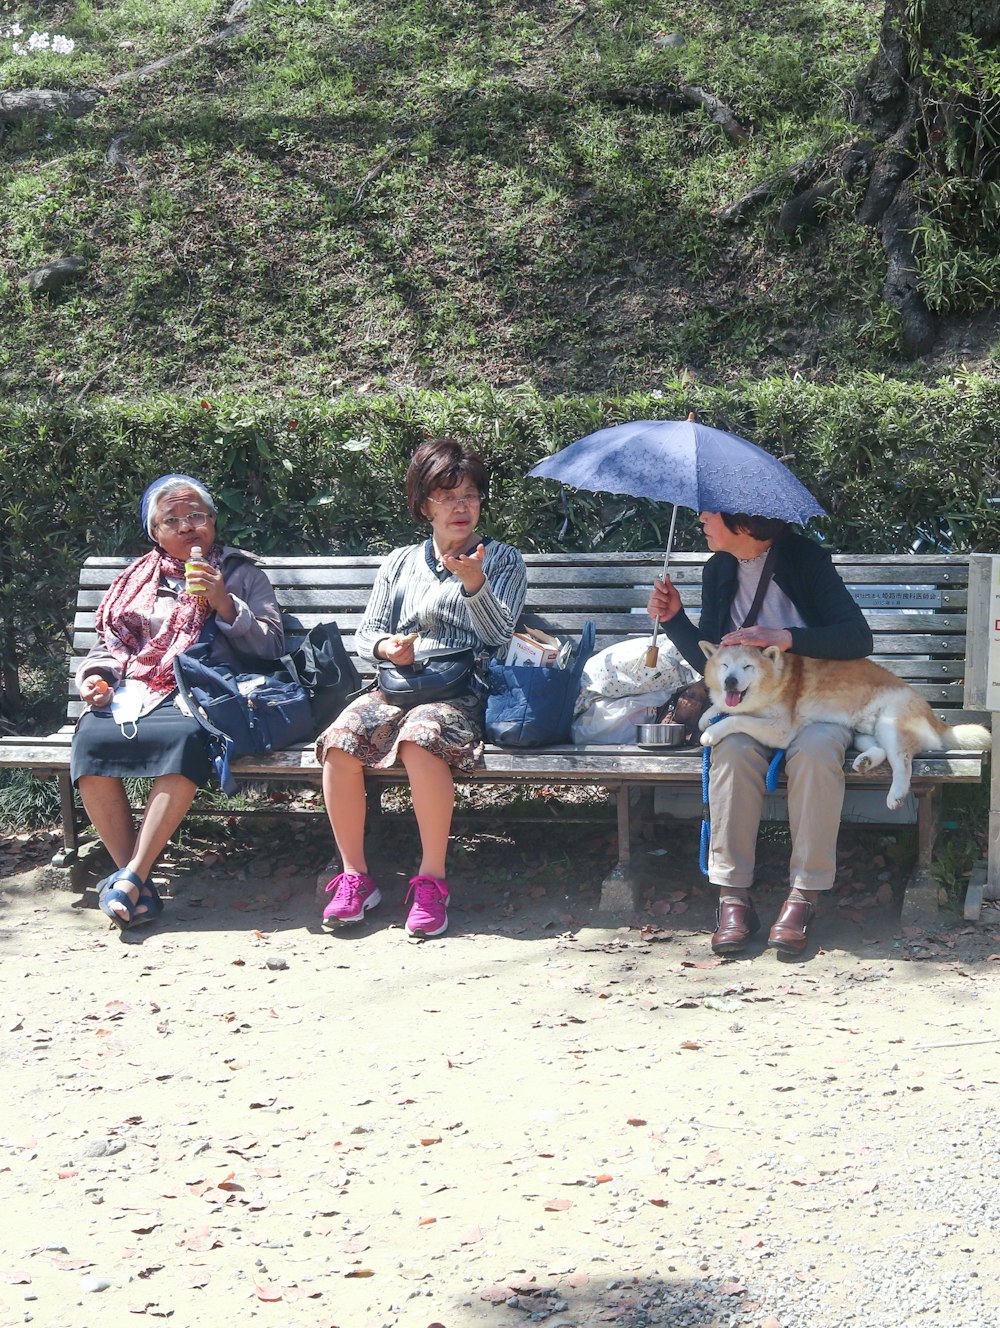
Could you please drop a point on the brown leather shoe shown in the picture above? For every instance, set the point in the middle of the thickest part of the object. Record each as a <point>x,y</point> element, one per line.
<point>735,922</point>
<point>790,933</point>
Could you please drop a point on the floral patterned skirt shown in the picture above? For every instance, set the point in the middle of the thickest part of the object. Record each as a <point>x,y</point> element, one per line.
<point>371,730</point>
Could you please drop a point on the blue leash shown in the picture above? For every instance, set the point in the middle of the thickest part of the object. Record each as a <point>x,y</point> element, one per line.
<point>770,783</point>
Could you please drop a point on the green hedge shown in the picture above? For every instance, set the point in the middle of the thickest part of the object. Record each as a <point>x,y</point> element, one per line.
<point>894,463</point>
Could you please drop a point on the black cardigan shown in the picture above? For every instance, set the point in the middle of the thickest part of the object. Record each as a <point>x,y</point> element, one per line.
<point>835,626</point>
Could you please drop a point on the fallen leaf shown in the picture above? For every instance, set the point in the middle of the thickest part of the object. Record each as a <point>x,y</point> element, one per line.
<point>578,1279</point>
<point>690,1046</point>
<point>604,1177</point>
<point>732,1289</point>
<point>267,1292</point>
<point>660,1203</point>
<point>194,1278</point>
<point>426,1221</point>
<point>557,1205</point>
<point>497,1294</point>
<point>361,1272</point>
<point>429,1141</point>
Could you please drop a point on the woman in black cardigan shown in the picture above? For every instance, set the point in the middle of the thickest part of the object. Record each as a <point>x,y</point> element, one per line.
<point>806,609</point>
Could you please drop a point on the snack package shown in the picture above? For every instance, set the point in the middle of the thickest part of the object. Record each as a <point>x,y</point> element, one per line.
<point>530,646</point>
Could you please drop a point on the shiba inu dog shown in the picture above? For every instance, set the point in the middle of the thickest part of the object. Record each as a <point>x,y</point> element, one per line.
<point>770,696</point>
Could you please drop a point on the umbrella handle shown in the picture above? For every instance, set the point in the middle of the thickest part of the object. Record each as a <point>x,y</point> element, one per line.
<point>652,651</point>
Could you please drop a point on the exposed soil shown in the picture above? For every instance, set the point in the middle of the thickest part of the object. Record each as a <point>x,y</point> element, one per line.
<point>231,1116</point>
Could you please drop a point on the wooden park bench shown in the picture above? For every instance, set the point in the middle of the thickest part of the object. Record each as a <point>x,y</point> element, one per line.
<point>918,608</point>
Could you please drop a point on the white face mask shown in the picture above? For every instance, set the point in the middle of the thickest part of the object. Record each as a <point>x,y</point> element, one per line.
<point>126,705</point>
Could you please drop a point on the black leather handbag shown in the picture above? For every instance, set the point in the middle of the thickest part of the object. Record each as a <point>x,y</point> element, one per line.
<point>440,675</point>
<point>437,675</point>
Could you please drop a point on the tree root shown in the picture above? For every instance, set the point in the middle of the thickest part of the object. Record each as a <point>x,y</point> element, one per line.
<point>43,103</point>
<point>800,176</point>
<point>901,289</point>
<point>674,100</point>
<point>117,156</point>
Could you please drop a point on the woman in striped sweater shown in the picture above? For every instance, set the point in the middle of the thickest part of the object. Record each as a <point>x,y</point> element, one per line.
<point>459,589</point>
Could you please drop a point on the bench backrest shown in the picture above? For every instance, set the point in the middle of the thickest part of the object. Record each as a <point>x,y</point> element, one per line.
<point>916,605</point>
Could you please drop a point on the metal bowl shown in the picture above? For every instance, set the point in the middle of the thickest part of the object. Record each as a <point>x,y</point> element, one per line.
<point>659,735</point>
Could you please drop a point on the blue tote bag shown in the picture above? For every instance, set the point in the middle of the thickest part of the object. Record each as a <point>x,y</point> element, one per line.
<point>529,706</point>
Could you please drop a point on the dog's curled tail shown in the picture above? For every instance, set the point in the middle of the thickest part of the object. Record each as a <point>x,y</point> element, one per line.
<point>970,737</point>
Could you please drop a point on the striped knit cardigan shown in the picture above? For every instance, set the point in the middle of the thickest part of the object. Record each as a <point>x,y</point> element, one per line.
<point>435,603</point>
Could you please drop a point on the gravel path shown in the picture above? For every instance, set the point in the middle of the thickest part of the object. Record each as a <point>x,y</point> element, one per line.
<point>537,1119</point>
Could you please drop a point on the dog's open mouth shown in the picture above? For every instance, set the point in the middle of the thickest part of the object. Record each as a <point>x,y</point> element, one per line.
<point>733,697</point>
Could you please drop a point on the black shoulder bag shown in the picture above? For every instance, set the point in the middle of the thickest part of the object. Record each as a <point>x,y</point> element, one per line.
<point>437,675</point>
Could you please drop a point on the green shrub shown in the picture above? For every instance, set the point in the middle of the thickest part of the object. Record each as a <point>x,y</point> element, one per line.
<point>897,465</point>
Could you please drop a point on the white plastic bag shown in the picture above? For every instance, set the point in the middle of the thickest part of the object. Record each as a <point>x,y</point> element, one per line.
<point>620,670</point>
<point>613,719</point>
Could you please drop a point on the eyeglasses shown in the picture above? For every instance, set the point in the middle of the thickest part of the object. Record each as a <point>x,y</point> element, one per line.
<point>455,500</point>
<point>191,519</point>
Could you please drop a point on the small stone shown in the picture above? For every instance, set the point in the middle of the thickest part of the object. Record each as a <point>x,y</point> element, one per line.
<point>670,39</point>
<point>52,275</point>
<point>276,963</point>
<point>103,1147</point>
<point>94,1284</point>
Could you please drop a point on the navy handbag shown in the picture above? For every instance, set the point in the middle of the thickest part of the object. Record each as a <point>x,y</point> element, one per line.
<point>243,714</point>
<point>531,706</point>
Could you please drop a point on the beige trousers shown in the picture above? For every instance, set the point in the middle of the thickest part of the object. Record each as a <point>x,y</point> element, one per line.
<point>814,766</point>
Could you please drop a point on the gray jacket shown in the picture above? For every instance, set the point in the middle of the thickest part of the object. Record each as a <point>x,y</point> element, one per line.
<point>257,629</point>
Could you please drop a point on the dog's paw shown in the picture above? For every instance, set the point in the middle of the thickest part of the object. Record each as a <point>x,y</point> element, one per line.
<point>868,760</point>
<point>708,738</point>
<point>895,800</point>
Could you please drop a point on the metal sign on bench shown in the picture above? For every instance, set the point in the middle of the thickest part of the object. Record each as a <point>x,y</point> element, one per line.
<point>896,597</point>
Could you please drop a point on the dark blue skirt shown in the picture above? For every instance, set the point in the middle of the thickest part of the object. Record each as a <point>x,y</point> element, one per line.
<point>167,742</point>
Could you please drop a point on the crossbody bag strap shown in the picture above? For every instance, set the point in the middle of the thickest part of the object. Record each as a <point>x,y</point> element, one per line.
<point>396,610</point>
<point>766,573</point>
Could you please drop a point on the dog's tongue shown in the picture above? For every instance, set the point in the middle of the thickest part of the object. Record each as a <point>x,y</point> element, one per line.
<point>733,698</point>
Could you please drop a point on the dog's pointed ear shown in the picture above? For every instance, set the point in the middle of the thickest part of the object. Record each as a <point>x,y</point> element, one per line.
<point>772,652</point>
<point>707,648</point>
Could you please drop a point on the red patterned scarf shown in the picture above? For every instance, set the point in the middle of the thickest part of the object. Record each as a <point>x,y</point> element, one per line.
<point>125,613</point>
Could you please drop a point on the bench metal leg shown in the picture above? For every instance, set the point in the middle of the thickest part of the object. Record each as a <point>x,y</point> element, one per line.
<point>71,843</point>
<point>920,902</point>
<point>991,888</point>
<point>618,889</point>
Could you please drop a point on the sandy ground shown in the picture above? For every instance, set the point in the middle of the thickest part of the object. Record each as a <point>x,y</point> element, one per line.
<point>232,1117</point>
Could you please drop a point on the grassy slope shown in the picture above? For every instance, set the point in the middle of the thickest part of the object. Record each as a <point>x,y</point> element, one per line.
<point>518,229</point>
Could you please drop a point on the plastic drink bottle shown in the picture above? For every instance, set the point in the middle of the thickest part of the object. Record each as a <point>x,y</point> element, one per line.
<point>192,574</point>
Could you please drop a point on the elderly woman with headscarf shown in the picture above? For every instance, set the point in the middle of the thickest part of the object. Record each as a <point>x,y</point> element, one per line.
<point>133,726</point>
<point>455,589</point>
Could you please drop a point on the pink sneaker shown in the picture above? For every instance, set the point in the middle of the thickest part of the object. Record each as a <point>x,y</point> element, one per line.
<point>353,894</point>
<point>429,913</point>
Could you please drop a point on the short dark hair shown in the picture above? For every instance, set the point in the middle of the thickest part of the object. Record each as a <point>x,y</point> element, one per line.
<point>757,527</point>
<point>442,463</point>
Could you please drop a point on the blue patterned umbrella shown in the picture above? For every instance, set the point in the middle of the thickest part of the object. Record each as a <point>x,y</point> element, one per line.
<point>684,463</point>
